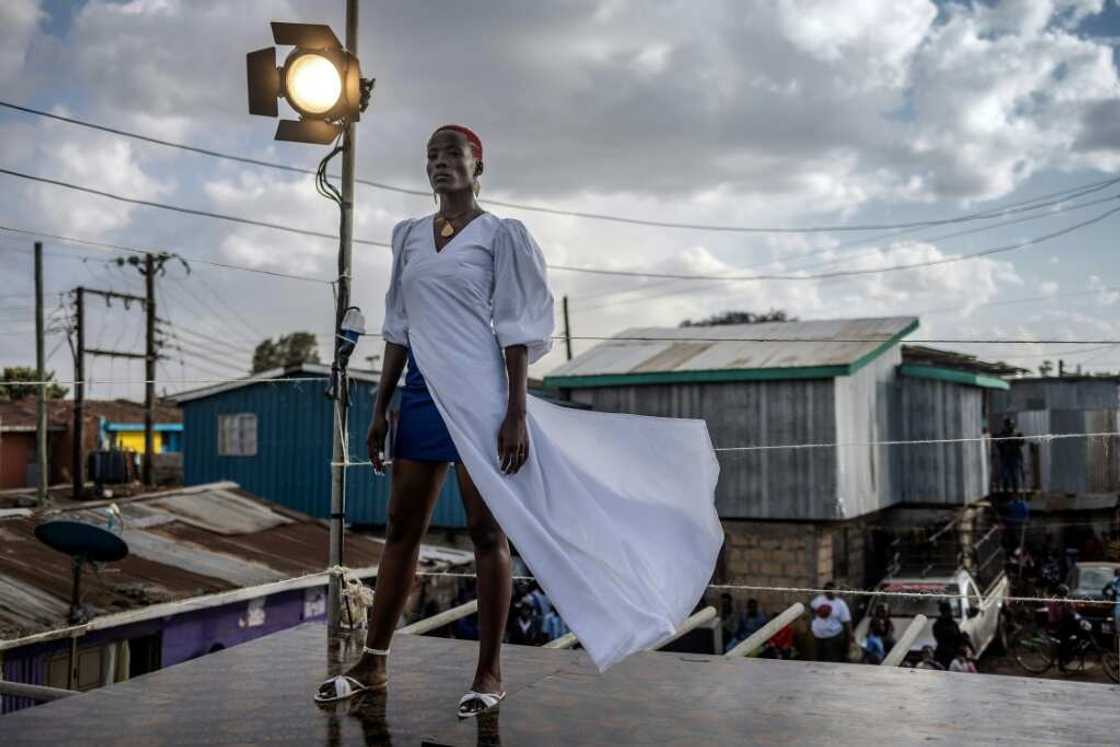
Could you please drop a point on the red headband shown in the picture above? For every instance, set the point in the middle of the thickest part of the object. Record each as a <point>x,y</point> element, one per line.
<point>467,132</point>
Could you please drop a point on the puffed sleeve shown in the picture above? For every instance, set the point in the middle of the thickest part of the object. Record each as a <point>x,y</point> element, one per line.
<point>523,310</point>
<point>395,327</point>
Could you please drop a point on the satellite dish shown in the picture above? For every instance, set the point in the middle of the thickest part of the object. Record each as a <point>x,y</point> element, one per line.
<point>83,543</point>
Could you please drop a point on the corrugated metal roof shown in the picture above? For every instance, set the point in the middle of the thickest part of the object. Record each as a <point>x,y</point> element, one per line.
<point>200,540</point>
<point>302,369</point>
<point>830,344</point>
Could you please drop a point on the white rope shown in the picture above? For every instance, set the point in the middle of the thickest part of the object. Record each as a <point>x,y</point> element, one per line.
<point>1041,438</point>
<point>812,591</point>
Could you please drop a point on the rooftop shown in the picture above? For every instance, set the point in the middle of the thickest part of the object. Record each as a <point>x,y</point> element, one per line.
<point>298,370</point>
<point>183,543</point>
<point>772,350</point>
<point>20,414</point>
<point>557,697</point>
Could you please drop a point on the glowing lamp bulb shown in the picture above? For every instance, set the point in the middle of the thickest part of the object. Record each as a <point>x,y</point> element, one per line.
<point>313,84</point>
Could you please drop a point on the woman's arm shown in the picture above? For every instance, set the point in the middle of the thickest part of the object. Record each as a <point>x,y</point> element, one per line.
<point>392,364</point>
<point>513,437</point>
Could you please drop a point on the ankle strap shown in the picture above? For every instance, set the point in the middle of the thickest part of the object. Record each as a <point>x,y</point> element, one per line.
<point>375,651</point>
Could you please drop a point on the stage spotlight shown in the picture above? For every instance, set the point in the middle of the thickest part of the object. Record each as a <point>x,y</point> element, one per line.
<point>319,79</point>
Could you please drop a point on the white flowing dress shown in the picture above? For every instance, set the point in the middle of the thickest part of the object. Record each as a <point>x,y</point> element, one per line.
<point>614,514</point>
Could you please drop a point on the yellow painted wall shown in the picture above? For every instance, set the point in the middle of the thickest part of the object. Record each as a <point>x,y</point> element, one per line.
<point>135,441</point>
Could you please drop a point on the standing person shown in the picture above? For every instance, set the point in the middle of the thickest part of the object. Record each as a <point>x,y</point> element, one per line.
<point>1010,448</point>
<point>525,629</point>
<point>947,634</point>
<point>754,619</point>
<point>614,514</point>
<point>831,626</point>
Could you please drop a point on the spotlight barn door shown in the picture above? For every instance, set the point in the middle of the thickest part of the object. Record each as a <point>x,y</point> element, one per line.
<point>264,82</point>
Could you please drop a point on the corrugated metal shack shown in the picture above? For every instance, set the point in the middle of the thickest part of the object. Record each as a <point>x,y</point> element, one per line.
<point>945,395</point>
<point>1062,405</point>
<point>772,384</point>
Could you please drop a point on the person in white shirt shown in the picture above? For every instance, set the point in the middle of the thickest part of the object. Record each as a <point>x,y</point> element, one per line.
<point>831,626</point>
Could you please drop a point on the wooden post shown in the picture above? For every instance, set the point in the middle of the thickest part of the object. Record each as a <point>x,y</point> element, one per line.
<point>902,647</point>
<point>567,330</point>
<point>41,375</point>
<point>758,639</point>
<point>568,640</point>
<point>705,615</point>
<point>77,467</point>
<point>428,624</point>
<point>149,363</point>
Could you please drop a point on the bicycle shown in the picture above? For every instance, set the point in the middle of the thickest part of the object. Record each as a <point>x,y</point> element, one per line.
<point>1036,650</point>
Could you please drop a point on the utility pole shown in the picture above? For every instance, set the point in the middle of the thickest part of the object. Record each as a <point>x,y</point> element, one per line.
<point>41,375</point>
<point>76,466</point>
<point>345,237</point>
<point>149,363</point>
<point>567,329</point>
<point>80,353</point>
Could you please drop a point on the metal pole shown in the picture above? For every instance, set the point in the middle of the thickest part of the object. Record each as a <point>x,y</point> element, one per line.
<point>567,330</point>
<point>345,236</point>
<point>41,375</point>
<point>149,363</point>
<point>76,466</point>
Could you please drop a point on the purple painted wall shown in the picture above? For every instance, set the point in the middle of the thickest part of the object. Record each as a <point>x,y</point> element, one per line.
<point>184,637</point>
<point>187,637</point>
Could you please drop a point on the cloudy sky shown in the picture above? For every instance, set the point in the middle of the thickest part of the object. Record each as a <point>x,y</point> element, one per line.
<point>785,113</point>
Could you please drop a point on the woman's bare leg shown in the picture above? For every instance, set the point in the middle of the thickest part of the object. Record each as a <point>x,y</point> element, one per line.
<point>416,486</point>
<point>495,584</point>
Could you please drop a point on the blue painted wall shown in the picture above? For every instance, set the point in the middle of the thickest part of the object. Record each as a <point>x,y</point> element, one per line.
<point>292,465</point>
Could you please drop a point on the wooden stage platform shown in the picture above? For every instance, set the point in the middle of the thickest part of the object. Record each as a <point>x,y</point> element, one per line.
<point>260,692</point>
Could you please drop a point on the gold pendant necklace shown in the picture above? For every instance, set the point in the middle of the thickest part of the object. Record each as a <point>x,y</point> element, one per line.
<point>448,230</point>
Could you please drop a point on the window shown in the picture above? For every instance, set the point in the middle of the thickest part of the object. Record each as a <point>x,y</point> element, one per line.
<point>237,435</point>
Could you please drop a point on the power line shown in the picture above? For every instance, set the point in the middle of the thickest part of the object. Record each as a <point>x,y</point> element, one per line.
<point>598,271</point>
<point>538,208</point>
<point>880,340</point>
<point>134,250</point>
<point>851,273</point>
<point>184,210</point>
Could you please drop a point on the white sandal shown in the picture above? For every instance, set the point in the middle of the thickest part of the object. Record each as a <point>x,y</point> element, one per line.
<point>343,686</point>
<point>488,700</point>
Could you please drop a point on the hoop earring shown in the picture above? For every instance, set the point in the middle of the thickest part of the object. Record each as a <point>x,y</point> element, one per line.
<point>477,187</point>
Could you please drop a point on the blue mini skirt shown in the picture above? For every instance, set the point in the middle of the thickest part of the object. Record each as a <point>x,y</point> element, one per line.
<point>421,433</point>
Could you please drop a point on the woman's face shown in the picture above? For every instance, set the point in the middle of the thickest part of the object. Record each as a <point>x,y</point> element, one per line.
<point>451,162</point>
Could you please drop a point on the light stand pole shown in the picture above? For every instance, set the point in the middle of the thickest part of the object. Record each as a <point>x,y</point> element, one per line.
<point>342,302</point>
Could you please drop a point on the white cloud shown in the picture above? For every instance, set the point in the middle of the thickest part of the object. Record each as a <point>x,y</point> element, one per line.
<point>19,20</point>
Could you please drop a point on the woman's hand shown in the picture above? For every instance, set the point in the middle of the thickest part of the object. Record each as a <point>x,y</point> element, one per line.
<point>375,441</point>
<point>513,442</point>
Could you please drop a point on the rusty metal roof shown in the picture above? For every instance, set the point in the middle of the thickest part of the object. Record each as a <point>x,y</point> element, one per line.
<point>183,543</point>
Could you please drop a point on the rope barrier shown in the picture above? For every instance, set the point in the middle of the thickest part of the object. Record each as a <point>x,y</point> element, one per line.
<point>1040,438</point>
<point>804,590</point>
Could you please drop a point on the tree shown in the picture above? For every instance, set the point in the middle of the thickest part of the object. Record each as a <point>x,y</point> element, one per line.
<point>741,317</point>
<point>287,350</point>
<point>10,391</point>
<point>1046,368</point>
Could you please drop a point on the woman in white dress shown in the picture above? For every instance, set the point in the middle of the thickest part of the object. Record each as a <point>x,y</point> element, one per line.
<point>613,513</point>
